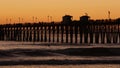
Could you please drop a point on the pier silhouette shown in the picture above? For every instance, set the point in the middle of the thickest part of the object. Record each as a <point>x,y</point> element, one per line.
<point>84,30</point>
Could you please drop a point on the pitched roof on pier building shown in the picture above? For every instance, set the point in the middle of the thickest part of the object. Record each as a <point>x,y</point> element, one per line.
<point>84,18</point>
<point>67,19</point>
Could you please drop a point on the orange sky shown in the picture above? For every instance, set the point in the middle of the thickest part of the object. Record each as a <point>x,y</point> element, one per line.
<point>26,9</point>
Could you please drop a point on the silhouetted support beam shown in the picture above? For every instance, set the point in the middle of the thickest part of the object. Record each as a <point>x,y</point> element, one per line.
<point>18,37</point>
<point>34,34</point>
<point>41,33</point>
<point>66,29</point>
<point>71,34</point>
<point>13,34</point>
<point>62,32</point>
<point>7,35</point>
<point>49,29</point>
<point>30,38</point>
<point>119,36</point>
<point>27,39</point>
<point>22,28</point>
<point>17,34</point>
<point>4,35</point>
<point>81,34</point>
<point>53,29</point>
<point>91,37</point>
<point>108,36</point>
<point>38,36</point>
<point>118,33</point>
<point>85,37</point>
<point>20,33</point>
<point>4,32</point>
<point>105,37</point>
<point>23,34</point>
<point>14,38</point>
<point>76,33</point>
<point>57,33</point>
<point>10,34</point>
<point>105,41</point>
<point>115,37</point>
<point>27,34</point>
<point>47,34</point>
<point>81,37</point>
<point>45,38</point>
<point>1,33</point>
<point>102,37</point>
<point>96,37</point>
<point>99,38</point>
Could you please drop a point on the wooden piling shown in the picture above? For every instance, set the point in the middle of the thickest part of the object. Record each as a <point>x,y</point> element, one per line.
<point>76,33</point>
<point>71,34</point>
<point>62,32</point>
<point>49,29</point>
<point>66,29</point>
<point>58,33</point>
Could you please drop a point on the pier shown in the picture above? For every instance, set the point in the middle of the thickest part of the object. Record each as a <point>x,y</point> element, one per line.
<point>98,32</point>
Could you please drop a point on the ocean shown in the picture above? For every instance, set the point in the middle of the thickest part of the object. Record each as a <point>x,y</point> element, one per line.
<point>13,52</point>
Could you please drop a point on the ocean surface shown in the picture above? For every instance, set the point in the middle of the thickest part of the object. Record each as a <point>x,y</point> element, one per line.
<point>10,46</point>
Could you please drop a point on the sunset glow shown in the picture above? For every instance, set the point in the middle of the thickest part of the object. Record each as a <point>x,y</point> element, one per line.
<point>26,9</point>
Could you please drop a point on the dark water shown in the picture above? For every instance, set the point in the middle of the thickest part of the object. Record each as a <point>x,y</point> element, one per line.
<point>17,50</point>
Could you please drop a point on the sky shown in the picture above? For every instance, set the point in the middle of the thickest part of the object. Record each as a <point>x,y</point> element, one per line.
<point>25,10</point>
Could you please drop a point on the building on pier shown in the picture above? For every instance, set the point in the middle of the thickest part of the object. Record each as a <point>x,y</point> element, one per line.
<point>67,19</point>
<point>84,18</point>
